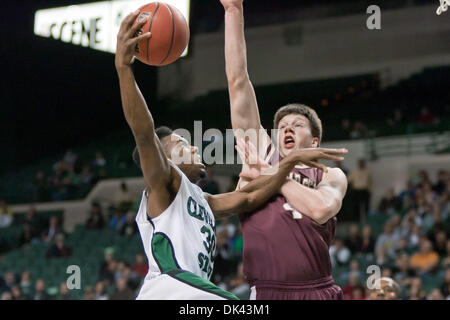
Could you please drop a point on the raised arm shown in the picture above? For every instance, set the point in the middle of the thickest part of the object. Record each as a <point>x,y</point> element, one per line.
<point>154,164</point>
<point>243,104</point>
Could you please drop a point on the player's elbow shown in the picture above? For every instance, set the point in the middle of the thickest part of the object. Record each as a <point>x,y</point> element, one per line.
<point>237,80</point>
<point>324,212</point>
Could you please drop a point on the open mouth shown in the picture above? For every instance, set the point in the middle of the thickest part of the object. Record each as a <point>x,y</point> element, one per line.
<point>289,142</point>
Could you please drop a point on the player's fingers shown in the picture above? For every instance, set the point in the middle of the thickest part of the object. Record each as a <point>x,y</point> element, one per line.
<point>330,157</point>
<point>334,151</point>
<point>128,21</point>
<point>133,30</point>
<point>240,151</point>
<point>137,39</point>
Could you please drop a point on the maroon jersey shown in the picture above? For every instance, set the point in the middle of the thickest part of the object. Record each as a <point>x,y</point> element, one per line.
<point>283,246</point>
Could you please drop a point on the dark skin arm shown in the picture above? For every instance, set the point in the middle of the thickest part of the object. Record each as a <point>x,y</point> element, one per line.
<point>161,180</point>
<point>258,191</point>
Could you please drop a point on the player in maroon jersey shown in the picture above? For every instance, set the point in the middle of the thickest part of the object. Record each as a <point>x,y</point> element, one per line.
<point>286,241</point>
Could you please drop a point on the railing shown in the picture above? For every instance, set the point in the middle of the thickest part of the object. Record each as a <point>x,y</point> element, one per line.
<point>408,145</point>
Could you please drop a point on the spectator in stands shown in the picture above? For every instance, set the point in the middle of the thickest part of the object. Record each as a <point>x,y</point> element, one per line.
<point>6,296</point>
<point>9,281</point>
<point>70,157</point>
<point>339,253</point>
<point>129,228</point>
<point>100,160</point>
<point>89,293</point>
<point>33,221</point>
<point>6,216</point>
<point>139,267</point>
<point>122,292</point>
<point>416,291</point>
<point>358,293</point>
<point>367,241</point>
<point>59,249</point>
<point>117,220</point>
<point>16,293</point>
<point>426,259</point>
<point>108,268</point>
<point>40,292</point>
<point>223,265</point>
<point>53,229</point>
<point>385,289</point>
<point>387,240</point>
<point>445,287</point>
<point>401,247</point>
<point>427,118</point>
<point>440,243</point>
<point>209,184</point>
<point>359,131</point>
<point>445,263</point>
<point>353,271</point>
<point>96,220</point>
<point>100,291</point>
<point>440,185</point>
<point>353,242</point>
<point>435,294</point>
<point>389,204</point>
<point>402,270</point>
<point>360,180</point>
<point>396,119</point>
<point>225,224</point>
<point>86,176</point>
<point>26,236</point>
<point>124,198</point>
<point>238,285</point>
<point>64,293</point>
<point>346,129</point>
<point>353,281</point>
<point>236,244</point>
<point>120,269</point>
<point>41,186</point>
<point>25,283</point>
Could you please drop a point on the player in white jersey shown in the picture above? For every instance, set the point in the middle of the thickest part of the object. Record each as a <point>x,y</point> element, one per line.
<point>175,218</point>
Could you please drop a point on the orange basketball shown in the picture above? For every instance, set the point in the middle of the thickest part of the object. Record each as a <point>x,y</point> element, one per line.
<point>170,34</point>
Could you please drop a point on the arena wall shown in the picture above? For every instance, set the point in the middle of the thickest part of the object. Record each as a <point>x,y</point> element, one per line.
<point>409,40</point>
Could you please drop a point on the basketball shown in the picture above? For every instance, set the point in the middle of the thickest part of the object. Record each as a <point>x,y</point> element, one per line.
<point>170,34</point>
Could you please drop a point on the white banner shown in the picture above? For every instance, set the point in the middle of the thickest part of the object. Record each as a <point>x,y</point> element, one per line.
<point>93,25</point>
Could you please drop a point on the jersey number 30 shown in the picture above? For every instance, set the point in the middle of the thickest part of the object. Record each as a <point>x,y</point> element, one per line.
<point>209,244</point>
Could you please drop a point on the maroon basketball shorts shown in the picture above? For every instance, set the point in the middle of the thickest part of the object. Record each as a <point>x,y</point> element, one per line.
<point>320,289</point>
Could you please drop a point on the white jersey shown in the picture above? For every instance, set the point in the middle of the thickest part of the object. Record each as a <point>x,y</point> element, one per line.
<point>182,237</point>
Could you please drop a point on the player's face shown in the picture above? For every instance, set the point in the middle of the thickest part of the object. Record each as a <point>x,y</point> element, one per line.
<point>186,157</point>
<point>385,292</point>
<point>294,132</point>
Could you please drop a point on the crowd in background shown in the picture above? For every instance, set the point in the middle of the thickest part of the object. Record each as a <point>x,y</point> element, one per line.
<point>413,245</point>
<point>358,129</point>
<point>68,175</point>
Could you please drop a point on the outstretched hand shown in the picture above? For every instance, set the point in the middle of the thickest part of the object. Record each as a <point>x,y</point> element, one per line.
<point>310,156</point>
<point>256,165</point>
<point>231,3</point>
<point>128,38</point>
<point>249,155</point>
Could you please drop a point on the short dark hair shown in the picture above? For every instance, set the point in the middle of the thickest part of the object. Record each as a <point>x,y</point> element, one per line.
<point>161,133</point>
<point>304,110</point>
